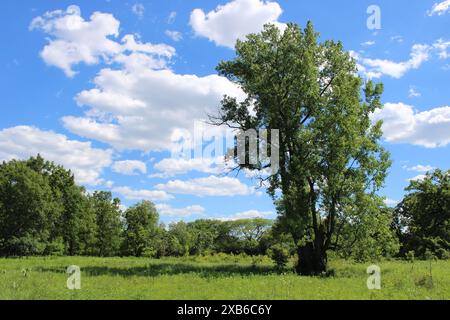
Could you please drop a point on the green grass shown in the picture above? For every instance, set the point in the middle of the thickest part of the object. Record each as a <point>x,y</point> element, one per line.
<point>217,277</point>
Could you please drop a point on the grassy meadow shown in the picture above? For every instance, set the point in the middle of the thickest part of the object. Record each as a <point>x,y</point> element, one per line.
<point>215,277</point>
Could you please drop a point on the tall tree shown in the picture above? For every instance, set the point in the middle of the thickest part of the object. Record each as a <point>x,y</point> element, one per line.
<point>365,232</point>
<point>109,225</point>
<point>28,210</point>
<point>76,226</point>
<point>141,224</point>
<point>329,151</point>
<point>423,217</point>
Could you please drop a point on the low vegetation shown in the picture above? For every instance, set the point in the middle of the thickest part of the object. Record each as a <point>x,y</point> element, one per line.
<point>216,277</point>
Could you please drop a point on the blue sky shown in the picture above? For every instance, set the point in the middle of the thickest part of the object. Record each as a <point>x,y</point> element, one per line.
<point>102,87</point>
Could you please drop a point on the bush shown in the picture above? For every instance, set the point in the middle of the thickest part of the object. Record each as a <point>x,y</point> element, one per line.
<point>279,253</point>
<point>410,256</point>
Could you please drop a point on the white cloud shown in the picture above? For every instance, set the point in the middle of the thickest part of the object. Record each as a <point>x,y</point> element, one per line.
<point>146,107</point>
<point>375,68</point>
<point>420,177</point>
<point>174,35</point>
<point>129,167</point>
<point>171,167</point>
<point>398,39</point>
<point>152,195</point>
<point>368,43</point>
<point>168,211</point>
<point>132,45</point>
<point>250,214</point>
<point>413,93</point>
<point>420,53</point>
<point>142,103</point>
<point>86,162</point>
<point>73,40</point>
<point>440,8</point>
<point>138,9</point>
<point>390,202</point>
<point>235,20</point>
<point>209,186</point>
<point>401,124</point>
<point>421,168</point>
<point>442,47</point>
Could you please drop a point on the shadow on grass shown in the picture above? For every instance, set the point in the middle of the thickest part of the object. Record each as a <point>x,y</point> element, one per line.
<point>165,268</point>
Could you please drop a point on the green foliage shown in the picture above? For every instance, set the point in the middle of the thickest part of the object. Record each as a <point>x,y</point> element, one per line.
<point>329,149</point>
<point>279,253</point>
<point>28,210</point>
<point>76,223</point>
<point>141,224</point>
<point>109,234</point>
<point>423,217</point>
<point>222,277</point>
<point>365,232</point>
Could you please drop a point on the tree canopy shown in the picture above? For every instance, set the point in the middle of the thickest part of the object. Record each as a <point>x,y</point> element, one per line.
<point>330,156</point>
<point>423,217</point>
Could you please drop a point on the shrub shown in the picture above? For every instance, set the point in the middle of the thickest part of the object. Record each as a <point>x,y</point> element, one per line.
<point>279,253</point>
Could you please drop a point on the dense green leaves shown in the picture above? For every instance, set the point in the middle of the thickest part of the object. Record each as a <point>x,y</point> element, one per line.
<point>28,210</point>
<point>423,217</point>
<point>140,227</point>
<point>43,212</point>
<point>329,149</point>
<point>109,224</point>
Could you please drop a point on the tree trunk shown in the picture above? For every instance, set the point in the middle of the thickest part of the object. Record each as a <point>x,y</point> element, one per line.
<point>311,261</point>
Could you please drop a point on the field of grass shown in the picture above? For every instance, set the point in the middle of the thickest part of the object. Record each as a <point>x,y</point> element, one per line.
<point>216,277</point>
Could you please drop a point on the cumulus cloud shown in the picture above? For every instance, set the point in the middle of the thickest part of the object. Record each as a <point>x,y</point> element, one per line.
<point>440,8</point>
<point>171,167</point>
<point>146,107</point>
<point>235,20</point>
<point>130,167</point>
<point>209,186</point>
<point>151,195</point>
<point>420,53</point>
<point>86,162</point>
<point>166,210</point>
<point>375,68</point>
<point>250,214</point>
<point>402,124</point>
<point>137,103</point>
<point>73,40</point>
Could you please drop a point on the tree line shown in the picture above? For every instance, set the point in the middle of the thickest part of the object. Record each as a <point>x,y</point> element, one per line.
<point>44,212</point>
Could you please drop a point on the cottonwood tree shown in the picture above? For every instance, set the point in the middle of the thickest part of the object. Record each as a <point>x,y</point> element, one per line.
<point>328,147</point>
